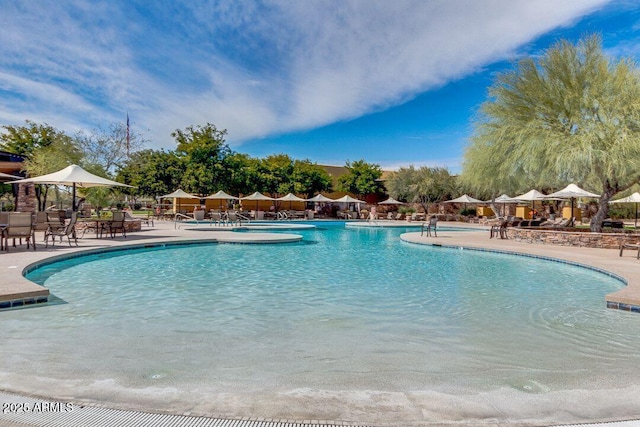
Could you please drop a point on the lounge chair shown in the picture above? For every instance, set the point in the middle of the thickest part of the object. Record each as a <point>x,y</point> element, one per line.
<point>430,226</point>
<point>68,231</point>
<point>19,226</point>
<point>626,245</point>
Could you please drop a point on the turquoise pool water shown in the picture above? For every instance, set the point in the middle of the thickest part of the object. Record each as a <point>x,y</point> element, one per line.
<point>346,311</point>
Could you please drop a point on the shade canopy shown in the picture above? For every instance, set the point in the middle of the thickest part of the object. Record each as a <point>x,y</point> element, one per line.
<point>464,199</point>
<point>291,198</point>
<point>391,201</point>
<point>531,196</point>
<point>221,195</point>
<point>7,177</point>
<point>320,198</point>
<point>179,194</point>
<point>634,198</point>
<point>571,191</point>
<point>348,199</point>
<point>257,196</point>
<point>74,176</point>
<point>503,198</point>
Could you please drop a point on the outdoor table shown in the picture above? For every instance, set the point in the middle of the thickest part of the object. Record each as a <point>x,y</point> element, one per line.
<point>98,221</point>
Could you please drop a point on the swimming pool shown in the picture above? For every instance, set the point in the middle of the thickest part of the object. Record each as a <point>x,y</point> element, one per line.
<point>350,324</point>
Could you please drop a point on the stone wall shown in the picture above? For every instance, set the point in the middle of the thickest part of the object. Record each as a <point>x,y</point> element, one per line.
<point>575,238</point>
<point>26,200</point>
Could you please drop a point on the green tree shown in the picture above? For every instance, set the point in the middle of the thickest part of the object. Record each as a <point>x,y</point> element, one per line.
<point>58,154</point>
<point>361,179</point>
<point>309,178</point>
<point>154,173</point>
<point>28,139</point>
<point>204,150</point>
<point>277,174</point>
<point>572,115</point>
<point>424,185</point>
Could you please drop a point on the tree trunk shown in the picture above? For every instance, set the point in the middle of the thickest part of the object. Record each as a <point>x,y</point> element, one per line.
<point>603,207</point>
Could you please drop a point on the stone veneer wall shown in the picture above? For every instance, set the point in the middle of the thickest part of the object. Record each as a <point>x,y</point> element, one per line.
<point>133,225</point>
<point>571,238</point>
<point>26,200</point>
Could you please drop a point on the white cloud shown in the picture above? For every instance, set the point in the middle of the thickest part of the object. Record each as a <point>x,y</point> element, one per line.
<point>254,69</point>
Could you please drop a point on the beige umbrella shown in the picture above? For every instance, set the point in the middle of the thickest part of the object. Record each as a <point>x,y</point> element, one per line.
<point>257,196</point>
<point>221,195</point>
<point>634,198</point>
<point>465,199</point>
<point>73,176</point>
<point>572,192</point>
<point>178,194</point>
<point>391,201</point>
<point>291,198</point>
<point>6,177</point>
<point>319,198</point>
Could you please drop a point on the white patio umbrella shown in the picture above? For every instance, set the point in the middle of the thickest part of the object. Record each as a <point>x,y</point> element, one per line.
<point>73,176</point>
<point>572,192</point>
<point>291,198</point>
<point>634,198</point>
<point>348,199</point>
<point>504,199</point>
<point>257,196</point>
<point>531,196</point>
<point>221,195</point>
<point>6,177</point>
<point>319,198</point>
<point>179,194</point>
<point>465,199</point>
<point>391,201</point>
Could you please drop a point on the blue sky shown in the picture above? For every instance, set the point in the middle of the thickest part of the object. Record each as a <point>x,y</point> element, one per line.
<point>391,82</point>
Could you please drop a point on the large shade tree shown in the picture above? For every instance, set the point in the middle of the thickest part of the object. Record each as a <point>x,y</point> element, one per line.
<point>571,115</point>
<point>424,185</point>
<point>361,179</point>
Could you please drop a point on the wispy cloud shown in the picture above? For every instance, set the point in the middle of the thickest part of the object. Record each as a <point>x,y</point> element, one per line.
<point>254,68</point>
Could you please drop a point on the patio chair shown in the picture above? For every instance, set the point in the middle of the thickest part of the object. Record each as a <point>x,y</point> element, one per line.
<point>4,223</point>
<point>115,225</point>
<point>499,229</point>
<point>430,226</point>
<point>20,226</point>
<point>68,231</point>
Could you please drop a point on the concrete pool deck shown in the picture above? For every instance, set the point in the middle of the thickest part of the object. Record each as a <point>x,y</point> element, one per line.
<point>17,259</point>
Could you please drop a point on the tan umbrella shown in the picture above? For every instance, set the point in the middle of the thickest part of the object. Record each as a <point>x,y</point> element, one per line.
<point>179,194</point>
<point>291,198</point>
<point>634,198</point>
<point>6,177</point>
<point>572,192</point>
<point>257,196</point>
<point>221,195</point>
<point>391,201</point>
<point>73,176</point>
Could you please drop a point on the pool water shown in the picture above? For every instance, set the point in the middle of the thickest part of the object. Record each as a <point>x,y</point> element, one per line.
<point>346,311</point>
